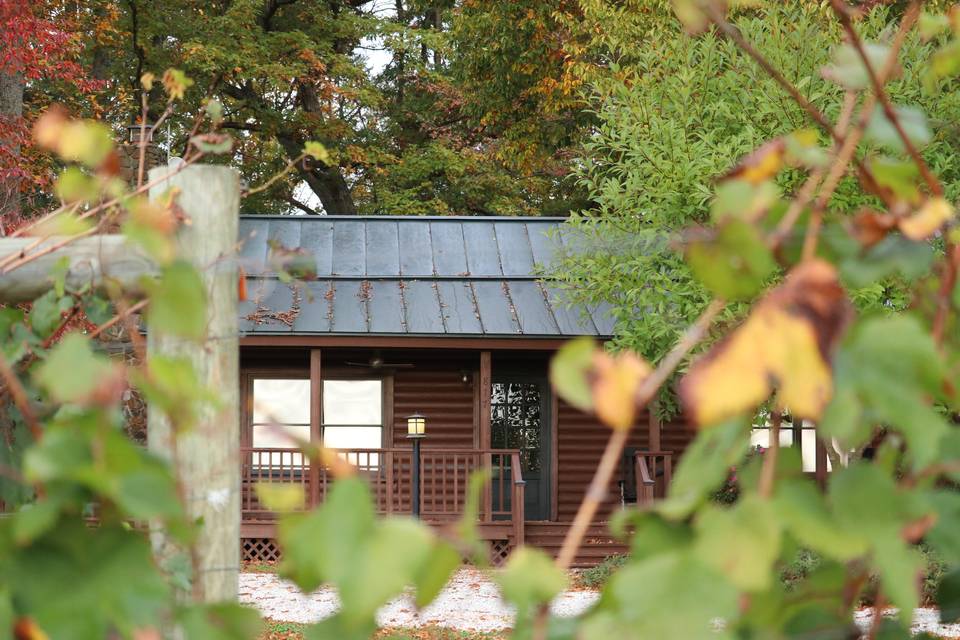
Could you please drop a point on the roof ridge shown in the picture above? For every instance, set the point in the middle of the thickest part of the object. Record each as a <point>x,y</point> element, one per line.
<point>301,218</point>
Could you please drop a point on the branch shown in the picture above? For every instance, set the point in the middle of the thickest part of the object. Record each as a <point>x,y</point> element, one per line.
<point>881,94</point>
<point>618,439</point>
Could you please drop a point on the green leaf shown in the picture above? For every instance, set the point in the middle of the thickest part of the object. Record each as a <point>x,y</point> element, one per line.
<point>388,561</point>
<point>900,569</point>
<point>86,141</point>
<point>72,372</point>
<point>900,176</point>
<point>530,579</point>
<point>178,302</point>
<point>429,581</point>
<point>735,264</point>
<point>317,151</point>
<point>569,370</point>
<point>912,120</point>
<point>75,185</point>
<point>671,595</point>
<point>704,467</point>
<point>83,582</point>
<point>214,109</point>
<point>847,68</point>
<point>220,621</point>
<point>281,497</point>
<point>213,143</point>
<point>33,520</point>
<point>323,546</point>
<point>893,254</point>
<point>743,200</point>
<point>948,597</point>
<point>802,509</point>
<point>742,542</point>
<point>47,311</point>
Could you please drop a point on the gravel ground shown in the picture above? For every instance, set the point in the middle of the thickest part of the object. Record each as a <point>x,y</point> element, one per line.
<point>924,619</point>
<point>470,601</point>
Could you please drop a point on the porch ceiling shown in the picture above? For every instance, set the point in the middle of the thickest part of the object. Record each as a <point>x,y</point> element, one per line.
<point>422,276</point>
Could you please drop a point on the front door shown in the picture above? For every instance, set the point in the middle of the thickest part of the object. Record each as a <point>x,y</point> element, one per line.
<point>519,420</point>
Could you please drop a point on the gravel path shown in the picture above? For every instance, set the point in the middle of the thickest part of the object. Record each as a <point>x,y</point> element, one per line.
<point>470,601</point>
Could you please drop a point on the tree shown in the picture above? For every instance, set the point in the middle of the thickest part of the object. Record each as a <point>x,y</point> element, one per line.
<point>675,113</point>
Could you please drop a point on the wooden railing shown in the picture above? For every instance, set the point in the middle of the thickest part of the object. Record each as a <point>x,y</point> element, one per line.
<point>444,480</point>
<point>653,471</point>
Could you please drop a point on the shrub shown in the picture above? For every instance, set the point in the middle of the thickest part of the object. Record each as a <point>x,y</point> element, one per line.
<point>597,577</point>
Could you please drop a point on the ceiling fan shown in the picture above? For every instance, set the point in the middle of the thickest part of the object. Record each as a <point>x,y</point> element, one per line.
<point>376,362</point>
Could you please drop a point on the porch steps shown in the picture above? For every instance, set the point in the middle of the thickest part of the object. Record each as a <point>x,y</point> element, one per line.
<point>598,542</point>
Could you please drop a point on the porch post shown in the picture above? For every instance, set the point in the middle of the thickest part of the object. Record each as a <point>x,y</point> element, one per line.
<point>653,427</point>
<point>207,458</point>
<point>315,418</point>
<point>486,389</point>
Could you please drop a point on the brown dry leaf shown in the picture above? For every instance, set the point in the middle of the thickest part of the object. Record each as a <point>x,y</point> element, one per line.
<point>764,163</point>
<point>615,383</point>
<point>785,343</point>
<point>870,227</point>
<point>927,220</point>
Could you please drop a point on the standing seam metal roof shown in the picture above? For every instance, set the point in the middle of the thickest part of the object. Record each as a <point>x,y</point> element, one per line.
<point>406,275</point>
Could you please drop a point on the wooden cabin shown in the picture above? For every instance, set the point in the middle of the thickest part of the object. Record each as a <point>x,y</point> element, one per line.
<point>448,318</point>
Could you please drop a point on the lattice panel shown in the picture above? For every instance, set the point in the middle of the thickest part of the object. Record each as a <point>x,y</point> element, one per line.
<point>499,550</point>
<point>259,550</point>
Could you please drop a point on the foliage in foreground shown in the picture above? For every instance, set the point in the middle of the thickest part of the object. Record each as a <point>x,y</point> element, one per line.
<point>882,381</point>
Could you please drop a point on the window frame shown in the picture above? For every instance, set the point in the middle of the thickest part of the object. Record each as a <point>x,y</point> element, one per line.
<point>247,377</point>
<point>354,376</point>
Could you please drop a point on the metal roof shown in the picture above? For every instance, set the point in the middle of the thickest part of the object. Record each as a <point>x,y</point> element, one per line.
<point>406,275</point>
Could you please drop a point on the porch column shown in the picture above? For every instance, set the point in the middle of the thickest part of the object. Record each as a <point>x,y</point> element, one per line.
<point>315,411</point>
<point>654,427</point>
<point>486,388</point>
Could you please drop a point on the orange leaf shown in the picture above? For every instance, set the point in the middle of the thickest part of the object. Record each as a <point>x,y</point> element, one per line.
<point>242,285</point>
<point>927,220</point>
<point>615,387</point>
<point>785,343</point>
<point>27,629</point>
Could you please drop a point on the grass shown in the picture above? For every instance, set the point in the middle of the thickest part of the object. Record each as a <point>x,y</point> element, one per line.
<point>277,630</point>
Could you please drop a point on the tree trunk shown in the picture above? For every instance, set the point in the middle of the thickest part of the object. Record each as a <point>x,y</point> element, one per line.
<point>327,182</point>
<point>11,116</point>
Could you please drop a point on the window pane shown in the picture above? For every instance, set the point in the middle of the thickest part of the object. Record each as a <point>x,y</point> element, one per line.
<point>351,437</point>
<point>270,436</point>
<point>352,402</point>
<point>281,400</point>
<point>808,446</point>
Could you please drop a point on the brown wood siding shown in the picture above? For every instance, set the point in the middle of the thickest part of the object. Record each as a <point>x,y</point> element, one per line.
<point>581,440</point>
<point>444,398</point>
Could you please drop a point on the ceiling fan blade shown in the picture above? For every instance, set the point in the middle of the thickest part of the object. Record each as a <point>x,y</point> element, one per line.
<point>366,365</point>
<point>399,365</point>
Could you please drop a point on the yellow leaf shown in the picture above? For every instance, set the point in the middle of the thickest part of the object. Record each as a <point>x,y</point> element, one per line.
<point>279,497</point>
<point>146,81</point>
<point>615,387</point>
<point>762,164</point>
<point>785,343</point>
<point>927,220</point>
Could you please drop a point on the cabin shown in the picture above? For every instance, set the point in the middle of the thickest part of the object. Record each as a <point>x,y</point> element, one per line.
<point>420,353</point>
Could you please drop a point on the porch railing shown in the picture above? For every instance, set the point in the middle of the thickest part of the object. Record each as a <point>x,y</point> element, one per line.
<point>444,480</point>
<point>653,471</point>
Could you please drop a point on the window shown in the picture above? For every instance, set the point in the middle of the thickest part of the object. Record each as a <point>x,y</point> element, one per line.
<point>281,413</point>
<point>515,421</point>
<point>804,434</point>
<point>353,414</point>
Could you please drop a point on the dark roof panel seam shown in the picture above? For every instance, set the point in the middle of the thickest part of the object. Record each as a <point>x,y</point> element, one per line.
<point>403,308</point>
<point>476,306</point>
<point>440,306</point>
<point>505,285</point>
<point>546,303</point>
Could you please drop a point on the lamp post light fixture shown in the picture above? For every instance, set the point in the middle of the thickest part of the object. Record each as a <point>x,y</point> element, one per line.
<point>416,431</point>
<point>135,130</point>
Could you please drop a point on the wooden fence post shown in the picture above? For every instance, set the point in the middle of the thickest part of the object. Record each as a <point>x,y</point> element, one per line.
<point>207,457</point>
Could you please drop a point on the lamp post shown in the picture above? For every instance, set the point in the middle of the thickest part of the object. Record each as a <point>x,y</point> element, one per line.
<point>416,431</point>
